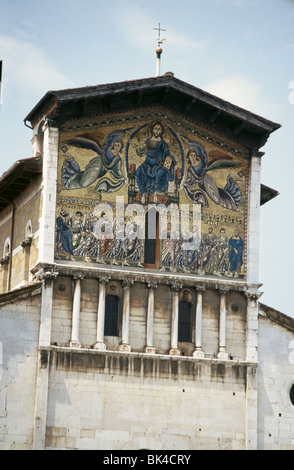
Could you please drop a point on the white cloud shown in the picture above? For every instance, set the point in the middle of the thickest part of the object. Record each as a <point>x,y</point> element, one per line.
<point>138,27</point>
<point>25,65</point>
<point>238,90</point>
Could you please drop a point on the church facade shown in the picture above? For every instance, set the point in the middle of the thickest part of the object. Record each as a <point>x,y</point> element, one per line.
<point>129,303</point>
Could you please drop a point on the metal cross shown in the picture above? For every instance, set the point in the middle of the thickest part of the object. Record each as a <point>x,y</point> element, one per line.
<point>159,29</point>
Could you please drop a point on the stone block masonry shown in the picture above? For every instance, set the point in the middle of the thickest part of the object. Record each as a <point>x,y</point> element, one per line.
<point>182,401</point>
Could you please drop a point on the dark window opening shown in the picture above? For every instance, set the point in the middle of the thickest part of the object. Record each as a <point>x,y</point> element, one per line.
<point>111,316</point>
<point>292,394</point>
<point>185,322</point>
<point>151,252</point>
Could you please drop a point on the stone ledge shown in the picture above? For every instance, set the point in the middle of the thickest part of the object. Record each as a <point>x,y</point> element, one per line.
<point>143,365</point>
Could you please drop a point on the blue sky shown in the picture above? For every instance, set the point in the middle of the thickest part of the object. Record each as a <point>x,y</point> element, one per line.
<point>240,50</point>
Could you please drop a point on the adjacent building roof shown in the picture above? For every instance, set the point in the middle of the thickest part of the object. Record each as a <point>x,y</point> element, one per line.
<point>277,317</point>
<point>166,91</point>
<point>267,193</point>
<point>14,181</point>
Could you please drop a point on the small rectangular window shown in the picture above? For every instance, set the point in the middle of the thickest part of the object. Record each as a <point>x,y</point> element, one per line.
<point>111,316</point>
<point>185,323</point>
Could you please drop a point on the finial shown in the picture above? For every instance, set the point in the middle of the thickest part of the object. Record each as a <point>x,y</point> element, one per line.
<point>158,50</point>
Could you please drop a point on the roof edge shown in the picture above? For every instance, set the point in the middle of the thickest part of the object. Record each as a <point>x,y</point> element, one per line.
<point>20,293</point>
<point>278,317</point>
<point>62,96</point>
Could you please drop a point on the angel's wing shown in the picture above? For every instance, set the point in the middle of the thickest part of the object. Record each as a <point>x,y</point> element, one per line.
<point>85,142</point>
<point>220,160</point>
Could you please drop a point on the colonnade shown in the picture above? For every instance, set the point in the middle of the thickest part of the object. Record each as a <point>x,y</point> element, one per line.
<point>176,288</point>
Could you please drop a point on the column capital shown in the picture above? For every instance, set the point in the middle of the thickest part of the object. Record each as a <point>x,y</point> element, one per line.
<point>47,274</point>
<point>49,123</point>
<point>152,285</point>
<point>176,286</point>
<point>224,290</point>
<point>78,277</point>
<point>103,279</point>
<point>253,295</point>
<point>127,282</point>
<point>200,287</point>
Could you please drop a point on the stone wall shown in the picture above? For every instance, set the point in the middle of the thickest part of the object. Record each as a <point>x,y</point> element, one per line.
<point>113,401</point>
<point>22,236</point>
<point>276,366</point>
<point>19,330</point>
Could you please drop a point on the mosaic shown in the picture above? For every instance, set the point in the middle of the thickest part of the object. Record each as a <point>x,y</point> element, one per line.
<point>110,176</point>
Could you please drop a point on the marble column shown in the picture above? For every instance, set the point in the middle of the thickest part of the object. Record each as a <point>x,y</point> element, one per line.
<point>75,328</point>
<point>103,280</point>
<point>125,346</point>
<point>222,354</point>
<point>175,288</point>
<point>198,353</point>
<point>150,349</point>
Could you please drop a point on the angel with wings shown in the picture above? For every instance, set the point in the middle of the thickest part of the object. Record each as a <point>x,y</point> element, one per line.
<point>229,197</point>
<point>107,160</point>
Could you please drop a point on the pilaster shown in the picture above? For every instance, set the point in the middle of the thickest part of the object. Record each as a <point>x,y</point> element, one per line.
<point>48,216</point>
<point>253,221</point>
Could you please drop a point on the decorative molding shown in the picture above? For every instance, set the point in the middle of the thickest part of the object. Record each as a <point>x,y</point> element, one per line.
<point>5,260</point>
<point>26,241</point>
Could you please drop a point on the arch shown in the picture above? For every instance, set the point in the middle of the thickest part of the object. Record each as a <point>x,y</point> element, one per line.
<point>7,248</point>
<point>29,229</point>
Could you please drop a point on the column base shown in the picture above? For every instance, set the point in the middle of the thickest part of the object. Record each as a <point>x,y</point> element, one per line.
<point>222,355</point>
<point>75,344</point>
<point>174,352</point>
<point>150,350</point>
<point>198,354</point>
<point>100,346</point>
<point>124,347</point>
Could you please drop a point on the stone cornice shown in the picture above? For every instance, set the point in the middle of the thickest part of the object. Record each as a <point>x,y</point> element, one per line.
<point>137,363</point>
<point>159,277</point>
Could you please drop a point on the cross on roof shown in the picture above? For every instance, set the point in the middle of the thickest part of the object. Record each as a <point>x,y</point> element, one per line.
<point>159,29</point>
